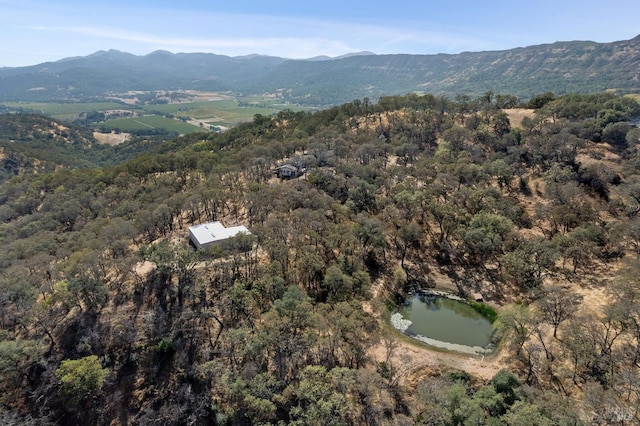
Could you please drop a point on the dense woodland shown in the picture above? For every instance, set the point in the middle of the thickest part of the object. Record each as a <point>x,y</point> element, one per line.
<point>107,316</point>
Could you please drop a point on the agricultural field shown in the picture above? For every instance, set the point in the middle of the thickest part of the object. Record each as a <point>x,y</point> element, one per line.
<point>219,111</point>
<point>65,111</point>
<point>151,122</point>
<point>198,110</point>
<point>222,112</point>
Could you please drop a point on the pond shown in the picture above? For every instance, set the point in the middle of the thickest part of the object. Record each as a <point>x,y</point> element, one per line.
<point>444,322</point>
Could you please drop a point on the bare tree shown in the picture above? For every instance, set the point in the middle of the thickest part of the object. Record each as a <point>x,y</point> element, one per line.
<point>558,305</point>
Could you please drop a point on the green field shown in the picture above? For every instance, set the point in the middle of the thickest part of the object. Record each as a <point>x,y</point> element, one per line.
<point>198,110</point>
<point>225,112</point>
<point>152,122</point>
<point>66,110</point>
<point>239,114</point>
<point>221,112</point>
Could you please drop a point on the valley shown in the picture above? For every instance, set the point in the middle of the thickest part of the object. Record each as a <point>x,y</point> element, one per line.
<point>174,112</point>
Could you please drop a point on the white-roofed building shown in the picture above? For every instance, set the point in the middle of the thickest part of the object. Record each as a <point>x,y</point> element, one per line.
<point>206,234</point>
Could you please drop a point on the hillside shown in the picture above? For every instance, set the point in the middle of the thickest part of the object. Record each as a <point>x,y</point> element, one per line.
<point>35,144</point>
<point>107,316</point>
<point>562,67</point>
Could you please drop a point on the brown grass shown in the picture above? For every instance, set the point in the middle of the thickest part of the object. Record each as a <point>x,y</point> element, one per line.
<point>517,114</point>
<point>111,138</point>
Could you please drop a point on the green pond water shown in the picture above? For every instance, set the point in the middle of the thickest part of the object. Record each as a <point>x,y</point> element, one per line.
<point>445,323</point>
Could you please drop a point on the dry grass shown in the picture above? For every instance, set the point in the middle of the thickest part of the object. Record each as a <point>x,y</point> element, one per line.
<point>111,138</point>
<point>517,114</point>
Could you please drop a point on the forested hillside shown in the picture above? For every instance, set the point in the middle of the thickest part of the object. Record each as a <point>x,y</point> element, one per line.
<point>36,144</point>
<point>107,316</point>
<point>524,72</point>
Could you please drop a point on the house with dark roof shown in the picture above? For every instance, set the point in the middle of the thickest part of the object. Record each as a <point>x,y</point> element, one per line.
<point>289,171</point>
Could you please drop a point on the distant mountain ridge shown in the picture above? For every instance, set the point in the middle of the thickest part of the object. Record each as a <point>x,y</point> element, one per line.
<point>561,67</point>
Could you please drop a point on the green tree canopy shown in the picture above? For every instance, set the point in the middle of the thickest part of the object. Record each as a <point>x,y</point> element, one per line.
<point>80,378</point>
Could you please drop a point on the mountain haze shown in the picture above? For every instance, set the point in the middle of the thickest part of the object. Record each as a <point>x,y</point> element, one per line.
<point>561,67</point>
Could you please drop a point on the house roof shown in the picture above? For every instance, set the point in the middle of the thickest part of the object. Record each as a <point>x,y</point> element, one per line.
<point>288,167</point>
<point>211,232</point>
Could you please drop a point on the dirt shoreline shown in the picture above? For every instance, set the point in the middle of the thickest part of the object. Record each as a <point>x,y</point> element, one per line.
<point>413,360</point>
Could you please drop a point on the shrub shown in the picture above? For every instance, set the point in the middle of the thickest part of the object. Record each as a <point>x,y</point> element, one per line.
<point>81,377</point>
<point>165,347</point>
<point>486,311</point>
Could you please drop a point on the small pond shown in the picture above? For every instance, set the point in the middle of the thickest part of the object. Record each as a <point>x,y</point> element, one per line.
<point>444,322</point>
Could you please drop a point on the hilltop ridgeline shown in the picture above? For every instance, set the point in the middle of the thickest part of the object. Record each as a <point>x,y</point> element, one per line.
<point>562,67</point>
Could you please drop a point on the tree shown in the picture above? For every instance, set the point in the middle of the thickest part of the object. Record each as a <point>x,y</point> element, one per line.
<point>458,138</point>
<point>506,383</point>
<point>558,305</point>
<point>172,261</point>
<point>527,264</point>
<point>337,284</point>
<point>16,357</point>
<point>407,235</point>
<point>629,230</point>
<point>433,395</point>
<point>87,274</point>
<point>288,332</point>
<point>16,295</point>
<point>501,123</point>
<point>625,291</point>
<point>523,413</point>
<point>485,235</point>
<point>445,216</point>
<point>363,195</point>
<point>502,172</point>
<point>81,378</point>
<point>517,319</point>
<point>539,101</point>
<point>517,266</point>
<point>616,135</point>
<point>369,231</point>
<point>506,101</point>
<point>579,346</point>
<point>322,397</point>
<point>581,244</point>
<point>345,334</point>
<point>462,408</point>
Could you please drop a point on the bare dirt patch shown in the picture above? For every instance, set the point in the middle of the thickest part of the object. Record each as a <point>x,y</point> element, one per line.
<point>413,361</point>
<point>144,268</point>
<point>111,138</point>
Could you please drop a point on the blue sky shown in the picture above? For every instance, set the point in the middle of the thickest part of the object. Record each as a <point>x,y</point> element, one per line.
<point>35,31</point>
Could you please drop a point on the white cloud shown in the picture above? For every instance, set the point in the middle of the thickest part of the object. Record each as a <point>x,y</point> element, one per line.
<point>63,29</point>
<point>234,34</point>
<point>292,46</point>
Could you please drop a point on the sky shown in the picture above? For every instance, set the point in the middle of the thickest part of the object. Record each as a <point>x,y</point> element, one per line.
<point>37,31</point>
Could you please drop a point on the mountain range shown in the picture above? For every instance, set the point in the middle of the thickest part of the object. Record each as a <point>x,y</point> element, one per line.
<point>561,67</point>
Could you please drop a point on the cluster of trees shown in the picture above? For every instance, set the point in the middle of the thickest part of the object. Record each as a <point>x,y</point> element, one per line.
<point>156,131</point>
<point>272,329</point>
<point>37,144</point>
